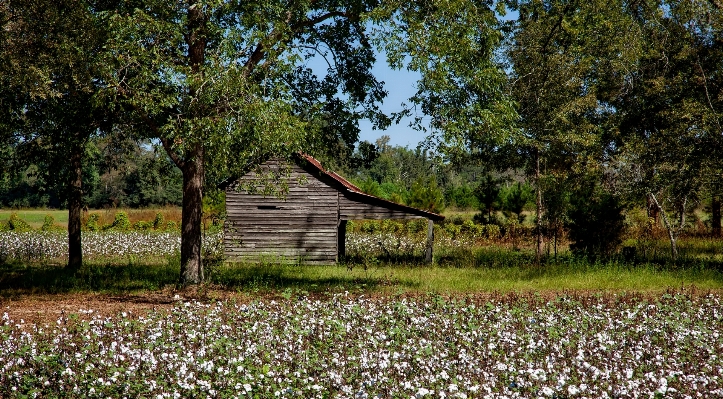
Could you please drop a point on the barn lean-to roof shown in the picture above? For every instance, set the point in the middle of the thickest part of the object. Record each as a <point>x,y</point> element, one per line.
<point>364,197</point>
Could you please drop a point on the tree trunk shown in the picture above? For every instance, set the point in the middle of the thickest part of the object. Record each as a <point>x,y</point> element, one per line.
<point>192,166</point>
<point>653,216</point>
<point>538,210</point>
<point>673,244</point>
<point>715,205</point>
<point>191,217</point>
<point>673,231</point>
<point>75,206</point>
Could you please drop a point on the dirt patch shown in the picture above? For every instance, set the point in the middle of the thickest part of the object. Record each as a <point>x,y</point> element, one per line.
<point>44,309</point>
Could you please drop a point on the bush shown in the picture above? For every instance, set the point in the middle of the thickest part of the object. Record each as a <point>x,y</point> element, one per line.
<point>16,224</point>
<point>142,225</point>
<point>471,228</point>
<point>416,226</point>
<point>369,226</point>
<point>492,231</point>
<point>93,222</point>
<point>391,226</point>
<point>158,222</point>
<point>596,223</point>
<point>121,222</point>
<point>49,224</point>
<point>454,230</point>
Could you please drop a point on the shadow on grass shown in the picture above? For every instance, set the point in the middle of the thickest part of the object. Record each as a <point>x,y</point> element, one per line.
<point>272,277</point>
<point>17,278</point>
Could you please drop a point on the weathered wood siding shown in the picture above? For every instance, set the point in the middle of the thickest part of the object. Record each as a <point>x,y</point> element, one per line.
<point>302,226</point>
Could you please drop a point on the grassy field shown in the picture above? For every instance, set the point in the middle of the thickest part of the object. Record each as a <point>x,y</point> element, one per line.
<point>35,217</point>
<point>134,274</point>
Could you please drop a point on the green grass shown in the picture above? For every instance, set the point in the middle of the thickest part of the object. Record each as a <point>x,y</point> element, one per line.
<point>400,278</point>
<point>17,278</point>
<point>491,268</point>
<point>141,275</point>
<point>36,217</point>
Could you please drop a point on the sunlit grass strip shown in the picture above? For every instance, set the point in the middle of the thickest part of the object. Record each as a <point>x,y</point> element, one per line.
<point>344,347</point>
<point>35,217</point>
<point>416,278</point>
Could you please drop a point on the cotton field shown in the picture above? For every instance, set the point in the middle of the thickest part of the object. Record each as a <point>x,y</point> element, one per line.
<point>41,246</point>
<point>38,246</point>
<point>585,346</point>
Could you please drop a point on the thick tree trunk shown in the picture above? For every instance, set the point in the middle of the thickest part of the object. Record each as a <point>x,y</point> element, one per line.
<point>191,218</point>
<point>715,205</point>
<point>538,210</point>
<point>192,165</point>
<point>75,206</point>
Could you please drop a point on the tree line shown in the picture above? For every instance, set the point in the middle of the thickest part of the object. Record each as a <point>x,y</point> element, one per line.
<point>612,102</point>
<point>142,177</point>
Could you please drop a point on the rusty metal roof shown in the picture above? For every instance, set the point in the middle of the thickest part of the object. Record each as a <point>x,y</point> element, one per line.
<point>356,190</point>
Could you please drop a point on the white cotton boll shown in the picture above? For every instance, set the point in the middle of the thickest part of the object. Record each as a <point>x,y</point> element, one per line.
<point>572,390</point>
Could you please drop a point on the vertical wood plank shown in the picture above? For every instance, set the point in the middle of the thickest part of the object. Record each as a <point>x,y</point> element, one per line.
<point>341,245</point>
<point>430,242</point>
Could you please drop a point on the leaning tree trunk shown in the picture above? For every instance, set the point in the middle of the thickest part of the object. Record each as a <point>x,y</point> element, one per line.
<point>191,218</point>
<point>75,205</point>
<point>673,230</point>
<point>538,210</point>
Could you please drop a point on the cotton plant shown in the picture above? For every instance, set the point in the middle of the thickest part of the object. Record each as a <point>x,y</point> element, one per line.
<point>356,347</point>
<point>39,246</point>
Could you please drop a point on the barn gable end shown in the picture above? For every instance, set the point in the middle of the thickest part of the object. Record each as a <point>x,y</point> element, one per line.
<point>309,224</point>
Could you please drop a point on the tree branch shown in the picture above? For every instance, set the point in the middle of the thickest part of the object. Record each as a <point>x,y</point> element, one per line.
<point>275,37</point>
<point>167,144</point>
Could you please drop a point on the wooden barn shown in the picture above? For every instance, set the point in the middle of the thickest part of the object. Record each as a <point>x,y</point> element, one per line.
<point>309,224</point>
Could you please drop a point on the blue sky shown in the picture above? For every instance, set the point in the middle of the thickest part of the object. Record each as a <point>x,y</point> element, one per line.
<point>400,85</point>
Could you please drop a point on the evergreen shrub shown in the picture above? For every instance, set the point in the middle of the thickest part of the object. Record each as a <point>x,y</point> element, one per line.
<point>596,223</point>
